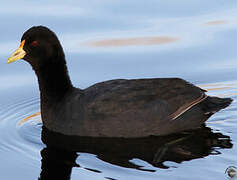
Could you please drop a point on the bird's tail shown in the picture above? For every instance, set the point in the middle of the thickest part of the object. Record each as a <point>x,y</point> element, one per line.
<point>215,104</point>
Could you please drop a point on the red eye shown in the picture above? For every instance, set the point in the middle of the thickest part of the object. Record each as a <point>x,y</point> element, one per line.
<point>34,43</point>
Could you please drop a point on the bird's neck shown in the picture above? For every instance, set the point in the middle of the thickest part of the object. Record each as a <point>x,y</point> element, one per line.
<point>54,81</point>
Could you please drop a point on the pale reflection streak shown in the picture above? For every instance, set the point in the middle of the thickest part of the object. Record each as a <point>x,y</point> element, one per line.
<point>136,41</point>
<point>219,88</point>
<point>30,117</point>
<point>217,22</point>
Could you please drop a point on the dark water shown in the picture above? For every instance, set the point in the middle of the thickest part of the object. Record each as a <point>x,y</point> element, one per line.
<point>104,40</point>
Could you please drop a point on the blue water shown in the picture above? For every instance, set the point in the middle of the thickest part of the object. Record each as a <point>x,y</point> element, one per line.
<point>119,39</point>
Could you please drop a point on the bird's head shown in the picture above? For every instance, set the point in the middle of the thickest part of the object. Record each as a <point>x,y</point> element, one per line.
<point>39,46</point>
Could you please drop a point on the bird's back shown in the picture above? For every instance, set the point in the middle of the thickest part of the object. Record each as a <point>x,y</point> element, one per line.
<point>119,106</point>
<point>166,96</point>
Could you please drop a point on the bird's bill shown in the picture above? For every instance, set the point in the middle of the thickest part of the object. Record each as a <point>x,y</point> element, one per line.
<point>18,54</point>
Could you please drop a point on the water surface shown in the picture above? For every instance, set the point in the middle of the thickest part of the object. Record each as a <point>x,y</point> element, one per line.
<point>122,39</point>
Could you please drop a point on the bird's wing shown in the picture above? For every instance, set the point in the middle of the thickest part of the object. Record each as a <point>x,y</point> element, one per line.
<point>164,97</point>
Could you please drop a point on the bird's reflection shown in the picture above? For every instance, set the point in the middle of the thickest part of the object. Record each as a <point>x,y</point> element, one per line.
<point>60,155</point>
<point>57,163</point>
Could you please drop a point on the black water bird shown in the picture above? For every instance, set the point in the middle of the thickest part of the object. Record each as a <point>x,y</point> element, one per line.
<point>115,108</point>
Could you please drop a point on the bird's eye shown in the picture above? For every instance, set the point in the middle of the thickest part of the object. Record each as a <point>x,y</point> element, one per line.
<point>34,43</point>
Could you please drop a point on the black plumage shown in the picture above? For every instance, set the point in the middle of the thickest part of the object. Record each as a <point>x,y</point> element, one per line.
<point>115,108</point>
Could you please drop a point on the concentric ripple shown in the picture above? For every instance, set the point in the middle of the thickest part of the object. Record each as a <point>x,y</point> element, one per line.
<point>20,139</point>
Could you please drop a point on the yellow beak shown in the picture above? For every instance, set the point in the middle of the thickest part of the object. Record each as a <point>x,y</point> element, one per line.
<point>18,54</point>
